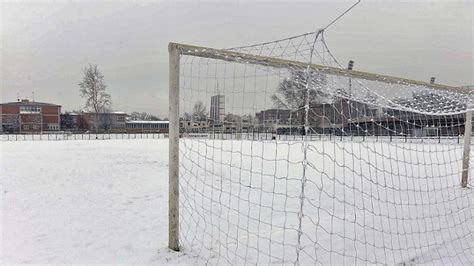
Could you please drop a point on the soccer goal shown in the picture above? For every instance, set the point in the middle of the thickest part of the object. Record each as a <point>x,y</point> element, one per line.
<point>279,154</point>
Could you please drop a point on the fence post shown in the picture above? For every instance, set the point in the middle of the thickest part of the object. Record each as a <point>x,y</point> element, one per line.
<point>467,148</point>
<point>173,192</point>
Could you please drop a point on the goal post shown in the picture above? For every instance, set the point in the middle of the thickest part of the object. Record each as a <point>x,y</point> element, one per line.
<point>173,198</point>
<point>370,180</point>
<point>467,149</point>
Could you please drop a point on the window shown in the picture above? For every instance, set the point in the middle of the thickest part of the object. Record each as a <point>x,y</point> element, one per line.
<point>26,127</point>
<point>35,127</point>
<point>30,109</point>
<point>53,127</point>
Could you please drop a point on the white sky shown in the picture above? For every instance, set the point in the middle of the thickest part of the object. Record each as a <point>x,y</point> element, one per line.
<point>46,44</point>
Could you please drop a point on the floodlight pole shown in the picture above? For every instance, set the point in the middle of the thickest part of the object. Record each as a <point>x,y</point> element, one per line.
<point>173,193</point>
<point>350,66</point>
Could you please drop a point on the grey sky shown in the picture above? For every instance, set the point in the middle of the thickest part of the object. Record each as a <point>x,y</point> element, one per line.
<point>45,44</point>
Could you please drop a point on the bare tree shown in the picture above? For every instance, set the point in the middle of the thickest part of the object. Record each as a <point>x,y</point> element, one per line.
<point>292,92</point>
<point>303,87</point>
<point>93,90</point>
<point>134,116</point>
<point>199,111</point>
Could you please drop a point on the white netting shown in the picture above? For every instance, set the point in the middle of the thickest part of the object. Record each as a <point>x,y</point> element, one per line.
<point>294,165</point>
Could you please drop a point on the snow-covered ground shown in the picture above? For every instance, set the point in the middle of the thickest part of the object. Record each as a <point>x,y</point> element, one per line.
<point>105,201</point>
<point>85,202</point>
<point>362,202</point>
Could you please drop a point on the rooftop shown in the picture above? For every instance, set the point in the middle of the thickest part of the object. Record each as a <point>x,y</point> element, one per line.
<point>147,122</point>
<point>107,113</point>
<point>29,103</point>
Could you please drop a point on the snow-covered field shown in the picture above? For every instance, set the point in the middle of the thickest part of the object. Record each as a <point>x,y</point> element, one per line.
<point>362,202</point>
<point>85,202</point>
<point>105,201</point>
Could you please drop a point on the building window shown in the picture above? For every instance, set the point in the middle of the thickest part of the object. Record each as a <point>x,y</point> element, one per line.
<point>26,127</point>
<point>35,127</point>
<point>53,127</point>
<point>30,109</point>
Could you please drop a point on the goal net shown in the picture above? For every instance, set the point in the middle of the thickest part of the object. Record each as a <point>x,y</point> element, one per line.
<point>288,157</point>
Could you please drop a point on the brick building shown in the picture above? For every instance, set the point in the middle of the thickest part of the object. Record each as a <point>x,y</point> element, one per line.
<point>26,116</point>
<point>110,122</point>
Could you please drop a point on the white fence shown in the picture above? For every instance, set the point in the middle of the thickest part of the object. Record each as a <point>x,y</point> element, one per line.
<point>328,137</point>
<point>85,136</point>
<point>231,136</point>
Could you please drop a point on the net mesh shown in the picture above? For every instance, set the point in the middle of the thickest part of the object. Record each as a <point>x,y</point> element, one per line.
<point>292,165</point>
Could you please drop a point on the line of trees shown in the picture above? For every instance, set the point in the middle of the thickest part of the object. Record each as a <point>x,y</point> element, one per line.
<point>135,116</point>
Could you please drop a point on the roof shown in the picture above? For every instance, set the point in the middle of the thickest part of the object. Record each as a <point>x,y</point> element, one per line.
<point>147,122</point>
<point>106,113</point>
<point>30,104</point>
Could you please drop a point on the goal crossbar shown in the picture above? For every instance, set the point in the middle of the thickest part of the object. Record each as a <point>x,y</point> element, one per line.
<point>232,56</point>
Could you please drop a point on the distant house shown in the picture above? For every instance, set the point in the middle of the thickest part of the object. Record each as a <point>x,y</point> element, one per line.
<point>273,116</point>
<point>74,122</point>
<point>271,120</point>
<point>106,121</point>
<point>193,126</point>
<point>147,126</point>
<point>111,122</point>
<point>24,116</point>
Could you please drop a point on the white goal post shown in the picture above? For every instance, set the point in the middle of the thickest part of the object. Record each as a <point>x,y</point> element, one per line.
<point>199,149</point>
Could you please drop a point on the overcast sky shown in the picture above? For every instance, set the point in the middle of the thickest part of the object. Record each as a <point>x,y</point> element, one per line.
<point>46,44</point>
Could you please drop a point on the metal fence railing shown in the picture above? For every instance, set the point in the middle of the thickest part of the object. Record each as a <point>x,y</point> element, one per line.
<point>231,136</point>
<point>326,137</point>
<point>80,136</point>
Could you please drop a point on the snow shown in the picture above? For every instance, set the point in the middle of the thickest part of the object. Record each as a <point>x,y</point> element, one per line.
<point>85,202</point>
<point>364,202</point>
<point>105,201</point>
